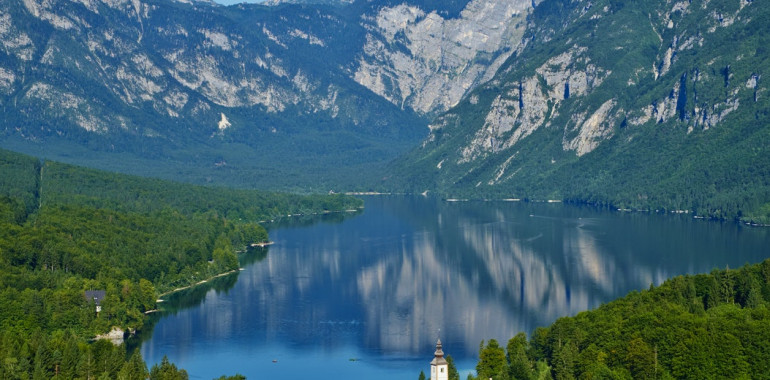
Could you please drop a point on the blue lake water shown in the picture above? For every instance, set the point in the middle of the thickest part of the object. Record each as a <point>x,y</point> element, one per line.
<point>366,296</point>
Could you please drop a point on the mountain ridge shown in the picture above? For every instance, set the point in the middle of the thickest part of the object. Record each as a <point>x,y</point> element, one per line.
<point>640,106</point>
<point>213,93</point>
<point>657,105</point>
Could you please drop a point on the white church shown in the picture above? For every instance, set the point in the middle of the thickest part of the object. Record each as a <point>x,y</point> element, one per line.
<point>439,368</point>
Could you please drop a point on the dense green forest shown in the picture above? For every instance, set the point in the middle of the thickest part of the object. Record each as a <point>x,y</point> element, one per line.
<point>65,230</point>
<point>706,326</point>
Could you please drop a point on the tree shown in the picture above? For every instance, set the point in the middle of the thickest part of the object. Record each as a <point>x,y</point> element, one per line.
<point>225,259</point>
<point>147,294</point>
<point>640,359</point>
<point>538,345</point>
<point>87,364</point>
<point>422,376</point>
<point>167,371</point>
<point>727,286</point>
<point>453,373</point>
<point>520,366</point>
<point>492,363</point>
<point>224,256</point>
<point>564,359</point>
<point>42,362</point>
<point>252,233</point>
<point>134,368</point>
<point>754,297</point>
<point>591,362</point>
<point>70,356</point>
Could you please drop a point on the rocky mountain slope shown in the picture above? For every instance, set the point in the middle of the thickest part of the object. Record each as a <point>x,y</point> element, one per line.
<point>289,95</point>
<point>645,105</point>
<point>427,62</point>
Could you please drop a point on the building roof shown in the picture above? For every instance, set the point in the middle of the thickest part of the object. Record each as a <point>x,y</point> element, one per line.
<point>97,296</point>
<point>439,355</point>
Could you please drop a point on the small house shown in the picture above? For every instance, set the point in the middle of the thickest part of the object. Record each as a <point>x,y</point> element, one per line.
<point>96,296</point>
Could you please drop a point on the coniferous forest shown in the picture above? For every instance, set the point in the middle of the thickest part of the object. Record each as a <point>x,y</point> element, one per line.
<point>706,326</point>
<point>66,230</point>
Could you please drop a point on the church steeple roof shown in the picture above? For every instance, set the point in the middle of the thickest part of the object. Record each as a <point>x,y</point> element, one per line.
<point>438,358</point>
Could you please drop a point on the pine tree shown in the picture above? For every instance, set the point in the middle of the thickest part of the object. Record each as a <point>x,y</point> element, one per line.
<point>453,373</point>
<point>70,357</point>
<point>564,361</point>
<point>518,362</point>
<point>167,371</point>
<point>87,366</point>
<point>134,368</point>
<point>42,363</point>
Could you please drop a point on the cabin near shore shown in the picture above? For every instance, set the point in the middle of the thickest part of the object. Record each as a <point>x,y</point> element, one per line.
<point>96,296</point>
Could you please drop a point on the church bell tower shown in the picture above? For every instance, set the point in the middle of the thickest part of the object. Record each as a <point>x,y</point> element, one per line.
<point>439,368</point>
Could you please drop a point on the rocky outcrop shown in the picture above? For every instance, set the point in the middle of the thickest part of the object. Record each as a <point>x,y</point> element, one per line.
<point>531,102</point>
<point>513,116</point>
<point>592,131</point>
<point>115,336</point>
<point>425,62</point>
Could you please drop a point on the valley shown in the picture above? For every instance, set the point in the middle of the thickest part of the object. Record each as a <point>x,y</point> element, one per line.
<point>648,107</point>
<point>291,96</point>
<point>145,145</point>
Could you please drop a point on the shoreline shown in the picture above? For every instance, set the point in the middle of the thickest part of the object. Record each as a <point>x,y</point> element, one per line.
<point>201,282</point>
<point>205,280</point>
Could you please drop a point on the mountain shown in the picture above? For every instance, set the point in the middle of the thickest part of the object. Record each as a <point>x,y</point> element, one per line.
<point>315,96</point>
<point>425,62</point>
<point>641,105</point>
<point>654,105</point>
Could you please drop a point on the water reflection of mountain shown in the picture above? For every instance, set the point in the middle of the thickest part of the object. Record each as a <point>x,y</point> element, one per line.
<point>491,269</point>
<point>389,279</point>
<point>479,270</point>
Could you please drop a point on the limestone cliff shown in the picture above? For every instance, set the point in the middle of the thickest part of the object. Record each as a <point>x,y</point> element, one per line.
<point>427,62</point>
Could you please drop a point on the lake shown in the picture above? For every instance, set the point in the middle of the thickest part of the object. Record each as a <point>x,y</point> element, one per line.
<point>365,296</point>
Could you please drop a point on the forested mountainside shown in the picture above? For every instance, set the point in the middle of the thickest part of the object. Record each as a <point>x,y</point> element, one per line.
<point>65,230</point>
<point>301,96</point>
<point>654,105</point>
<point>706,326</point>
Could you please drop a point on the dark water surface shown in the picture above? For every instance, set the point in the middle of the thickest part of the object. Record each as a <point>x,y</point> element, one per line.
<point>381,286</point>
